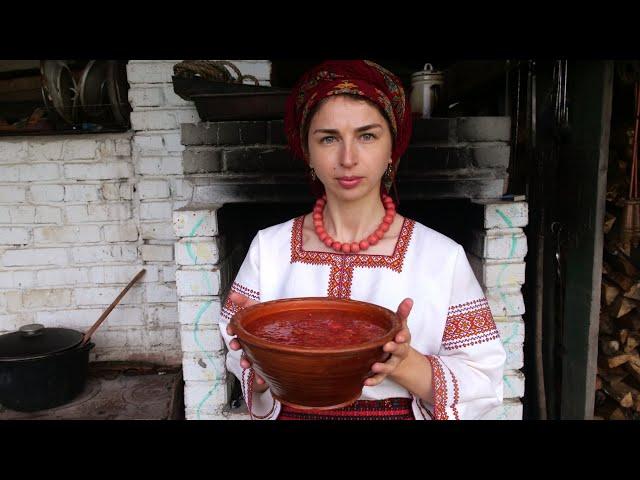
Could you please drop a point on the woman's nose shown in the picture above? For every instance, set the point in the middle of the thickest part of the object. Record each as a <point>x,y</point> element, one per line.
<point>349,156</point>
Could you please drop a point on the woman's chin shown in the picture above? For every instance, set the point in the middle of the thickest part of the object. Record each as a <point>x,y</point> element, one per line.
<point>351,194</point>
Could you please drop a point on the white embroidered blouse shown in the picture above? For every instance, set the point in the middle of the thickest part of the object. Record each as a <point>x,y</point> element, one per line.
<point>450,322</point>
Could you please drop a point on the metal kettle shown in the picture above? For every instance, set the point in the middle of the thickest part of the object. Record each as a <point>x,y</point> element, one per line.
<point>426,91</point>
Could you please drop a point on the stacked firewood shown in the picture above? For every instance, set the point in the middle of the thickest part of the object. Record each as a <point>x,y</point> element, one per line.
<point>618,376</point>
<point>618,373</point>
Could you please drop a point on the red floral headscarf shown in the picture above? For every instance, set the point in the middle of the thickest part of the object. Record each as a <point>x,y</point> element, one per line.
<point>355,77</point>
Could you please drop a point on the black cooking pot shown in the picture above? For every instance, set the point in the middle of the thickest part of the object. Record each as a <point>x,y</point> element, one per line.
<point>42,367</point>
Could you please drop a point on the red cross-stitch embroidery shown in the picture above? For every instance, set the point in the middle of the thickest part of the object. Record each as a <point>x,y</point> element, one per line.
<point>439,386</point>
<point>468,324</point>
<point>342,265</point>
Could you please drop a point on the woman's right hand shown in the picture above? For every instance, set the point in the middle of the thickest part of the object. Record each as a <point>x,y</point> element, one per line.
<point>241,301</point>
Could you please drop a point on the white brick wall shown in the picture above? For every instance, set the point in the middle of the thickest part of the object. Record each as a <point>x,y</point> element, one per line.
<point>16,279</point>
<point>198,282</point>
<point>69,234</point>
<point>81,215</point>
<point>98,171</point>
<point>47,193</point>
<point>14,236</point>
<point>81,193</point>
<point>157,253</point>
<point>156,210</point>
<point>497,257</point>
<point>10,194</point>
<point>153,189</point>
<point>72,220</point>
<point>121,232</point>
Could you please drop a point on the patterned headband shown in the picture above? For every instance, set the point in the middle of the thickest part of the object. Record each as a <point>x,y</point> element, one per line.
<point>352,77</point>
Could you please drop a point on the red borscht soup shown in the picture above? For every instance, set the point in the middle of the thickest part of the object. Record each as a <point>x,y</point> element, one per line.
<point>315,329</point>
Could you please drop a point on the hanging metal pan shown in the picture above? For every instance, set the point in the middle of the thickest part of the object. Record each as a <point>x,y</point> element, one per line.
<point>117,89</point>
<point>59,90</point>
<point>94,97</point>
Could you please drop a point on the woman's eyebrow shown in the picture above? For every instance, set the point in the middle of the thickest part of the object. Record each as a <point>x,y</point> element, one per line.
<point>325,130</point>
<point>368,127</point>
<point>359,129</point>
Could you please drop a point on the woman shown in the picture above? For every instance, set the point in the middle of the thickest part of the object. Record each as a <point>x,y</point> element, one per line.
<point>349,120</point>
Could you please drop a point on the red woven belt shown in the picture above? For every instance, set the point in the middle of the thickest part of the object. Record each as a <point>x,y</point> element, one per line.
<point>388,409</point>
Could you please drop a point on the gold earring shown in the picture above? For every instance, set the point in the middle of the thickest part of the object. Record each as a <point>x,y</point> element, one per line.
<point>312,172</point>
<point>388,178</point>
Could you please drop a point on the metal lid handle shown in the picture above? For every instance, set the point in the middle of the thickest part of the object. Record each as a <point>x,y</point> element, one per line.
<point>31,330</point>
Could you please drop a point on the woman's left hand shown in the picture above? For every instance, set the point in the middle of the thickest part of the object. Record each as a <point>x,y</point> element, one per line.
<point>399,347</point>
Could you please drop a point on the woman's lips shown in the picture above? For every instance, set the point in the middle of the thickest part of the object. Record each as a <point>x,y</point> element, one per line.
<point>349,182</point>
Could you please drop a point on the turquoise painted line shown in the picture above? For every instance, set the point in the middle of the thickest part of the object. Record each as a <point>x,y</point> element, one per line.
<point>192,233</point>
<point>191,253</point>
<point>510,308</point>
<point>207,281</point>
<point>503,414</point>
<point>506,380</point>
<point>201,311</point>
<point>514,240</point>
<point>506,219</point>
<point>513,334</point>
<point>216,380</point>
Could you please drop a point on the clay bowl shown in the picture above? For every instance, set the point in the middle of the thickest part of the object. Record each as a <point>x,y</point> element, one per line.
<point>314,377</point>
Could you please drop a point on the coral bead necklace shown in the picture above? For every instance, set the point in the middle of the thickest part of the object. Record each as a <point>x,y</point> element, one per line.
<point>352,247</point>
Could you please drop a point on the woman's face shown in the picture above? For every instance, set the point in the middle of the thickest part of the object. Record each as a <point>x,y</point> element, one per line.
<point>349,146</point>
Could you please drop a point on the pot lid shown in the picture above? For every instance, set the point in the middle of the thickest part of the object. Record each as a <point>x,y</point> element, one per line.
<point>35,340</point>
<point>428,72</point>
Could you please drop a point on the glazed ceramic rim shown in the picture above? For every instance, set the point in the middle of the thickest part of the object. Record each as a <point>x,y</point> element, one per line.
<point>244,335</point>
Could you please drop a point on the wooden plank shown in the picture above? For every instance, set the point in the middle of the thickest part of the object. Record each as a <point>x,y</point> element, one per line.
<point>20,89</point>
<point>18,65</point>
<point>590,91</point>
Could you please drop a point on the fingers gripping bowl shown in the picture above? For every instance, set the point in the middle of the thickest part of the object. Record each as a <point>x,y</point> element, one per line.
<point>315,352</point>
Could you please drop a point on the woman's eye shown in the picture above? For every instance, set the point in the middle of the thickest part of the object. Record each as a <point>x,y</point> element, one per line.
<point>327,140</point>
<point>368,137</point>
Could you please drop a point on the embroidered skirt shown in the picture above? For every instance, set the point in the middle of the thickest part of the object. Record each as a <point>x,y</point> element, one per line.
<point>388,409</point>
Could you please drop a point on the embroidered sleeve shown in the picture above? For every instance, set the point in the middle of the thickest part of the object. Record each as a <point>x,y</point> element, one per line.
<point>468,369</point>
<point>247,285</point>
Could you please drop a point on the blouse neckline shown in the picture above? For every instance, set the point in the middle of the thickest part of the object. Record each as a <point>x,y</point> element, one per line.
<point>314,257</point>
<point>300,234</point>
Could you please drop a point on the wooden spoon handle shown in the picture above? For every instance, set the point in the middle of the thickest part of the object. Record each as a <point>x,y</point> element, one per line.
<point>106,313</point>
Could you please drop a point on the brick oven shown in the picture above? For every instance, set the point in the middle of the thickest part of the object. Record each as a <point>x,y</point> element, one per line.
<point>452,179</point>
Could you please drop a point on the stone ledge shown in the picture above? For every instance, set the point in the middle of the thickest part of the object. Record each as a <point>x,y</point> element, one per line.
<point>236,188</point>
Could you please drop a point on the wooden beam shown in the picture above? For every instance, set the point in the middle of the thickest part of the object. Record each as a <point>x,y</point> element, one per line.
<point>590,91</point>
